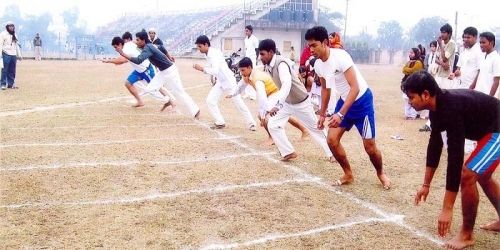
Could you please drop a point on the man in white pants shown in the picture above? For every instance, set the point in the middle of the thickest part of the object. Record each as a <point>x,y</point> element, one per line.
<point>142,72</point>
<point>225,82</point>
<point>167,73</point>
<point>251,45</point>
<point>292,101</point>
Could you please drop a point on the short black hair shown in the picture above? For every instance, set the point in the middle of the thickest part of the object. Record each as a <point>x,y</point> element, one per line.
<point>420,81</point>
<point>318,33</point>
<point>249,27</point>
<point>470,31</point>
<point>488,36</point>
<point>446,28</point>
<point>202,40</point>
<point>127,35</point>
<point>143,35</point>
<point>245,62</point>
<point>117,41</point>
<point>267,45</point>
<point>433,43</point>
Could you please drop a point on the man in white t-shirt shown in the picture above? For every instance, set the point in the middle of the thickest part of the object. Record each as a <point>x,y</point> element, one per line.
<point>225,82</point>
<point>142,72</point>
<point>489,71</point>
<point>467,69</point>
<point>469,61</point>
<point>251,46</point>
<point>336,69</point>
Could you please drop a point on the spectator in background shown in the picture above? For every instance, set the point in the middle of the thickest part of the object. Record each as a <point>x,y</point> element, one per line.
<point>422,52</point>
<point>156,41</point>
<point>413,65</point>
<point>292,54</point>
<point>335,41</point>
<point>430,63</point>
<point>446,57</point>
<point>489,70</point>
<point>251,45</point>
<point>37,44</point>
<point>10,53</point>
<point>304,57</point>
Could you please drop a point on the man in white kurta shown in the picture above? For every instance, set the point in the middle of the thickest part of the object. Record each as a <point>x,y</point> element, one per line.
<point>226,81</point>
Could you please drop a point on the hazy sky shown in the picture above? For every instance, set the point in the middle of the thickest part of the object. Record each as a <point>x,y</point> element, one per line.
<point>362,14</point>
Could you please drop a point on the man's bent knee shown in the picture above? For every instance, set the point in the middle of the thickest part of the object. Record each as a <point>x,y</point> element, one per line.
<point>468,177</point>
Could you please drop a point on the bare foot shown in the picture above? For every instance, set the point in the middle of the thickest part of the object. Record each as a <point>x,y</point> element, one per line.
<point>460,241</point>
<point>386,182</point>
<point>304,136</point>
<point>290,157</point>
<point>169,103</point>
<point>344,180</point>
<point>493,226</point>
<point>138,105</point>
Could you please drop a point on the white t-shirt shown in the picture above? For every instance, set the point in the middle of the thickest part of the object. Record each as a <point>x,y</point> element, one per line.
<point>333,72</point>
<point>131,49</point>
<point>251,44</point>
<point>469,62</point>
<point>488,69</point>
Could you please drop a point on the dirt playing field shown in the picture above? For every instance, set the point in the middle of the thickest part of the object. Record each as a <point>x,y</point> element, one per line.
<point>80,168</point>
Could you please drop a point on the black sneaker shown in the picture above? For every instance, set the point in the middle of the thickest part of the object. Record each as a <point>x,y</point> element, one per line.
<point>425,128</point>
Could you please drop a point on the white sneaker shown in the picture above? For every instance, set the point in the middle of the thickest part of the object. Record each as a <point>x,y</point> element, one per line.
<point>4,87</point>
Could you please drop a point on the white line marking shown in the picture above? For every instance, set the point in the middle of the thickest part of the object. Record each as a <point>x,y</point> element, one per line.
<point>155,196</point>
<point>128,163</point>
<point>105,127</point>
<point>396,219</point>
<point>59,106</point>
<point>279,236</point>
<point>59,144</point>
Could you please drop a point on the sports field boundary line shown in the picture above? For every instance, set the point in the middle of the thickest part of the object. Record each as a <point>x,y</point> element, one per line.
<point>130,163</point>
<point>319,181</point>
<point>158,195</point>
<point>107,142</point>
<point>280,236</point>
<point>104,127</point>
<point>73,104</point>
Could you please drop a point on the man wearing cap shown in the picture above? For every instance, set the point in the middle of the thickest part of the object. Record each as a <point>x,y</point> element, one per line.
<point>10,52</point>
<point>156,41</point>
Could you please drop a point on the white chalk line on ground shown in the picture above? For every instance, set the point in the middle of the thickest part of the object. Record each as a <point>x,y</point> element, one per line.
<point>72,104</point>
<point>396,219</point>
<point>59,106</point>
<point>156,196</point>
<point>107,142</point>
<point>279,236</point>
<point>127,163</point>
<point>105,127</point>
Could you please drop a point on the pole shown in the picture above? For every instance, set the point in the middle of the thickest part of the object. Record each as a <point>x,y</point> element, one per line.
<point>345,19</point>
<point>456,26</point>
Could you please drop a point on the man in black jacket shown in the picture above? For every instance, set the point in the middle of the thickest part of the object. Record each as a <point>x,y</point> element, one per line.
<point>463,114</point>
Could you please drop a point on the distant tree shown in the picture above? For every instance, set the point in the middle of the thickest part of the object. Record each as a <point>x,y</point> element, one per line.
<point>332,21</point>
<point>390,36</point>
<point>12,13</point>
<point>426,30</point>
<point>71,19</point>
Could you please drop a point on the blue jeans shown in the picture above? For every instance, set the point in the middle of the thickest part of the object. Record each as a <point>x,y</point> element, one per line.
<point>8,70</point>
